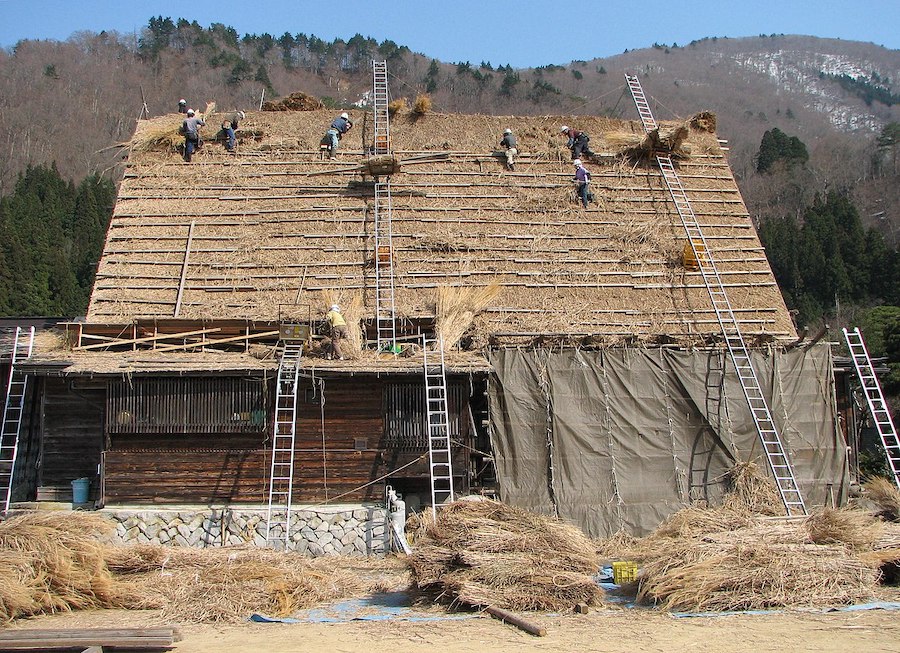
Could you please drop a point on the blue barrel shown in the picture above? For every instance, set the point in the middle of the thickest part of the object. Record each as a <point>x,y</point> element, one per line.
<point>80,490</point>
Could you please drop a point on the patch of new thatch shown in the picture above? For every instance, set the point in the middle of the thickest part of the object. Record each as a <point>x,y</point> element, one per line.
<point>228,584</point>
<point>456,308</point>
<point>158,134</point>
<point>481,553</point>
<point>884,494</point>
<point>294,102</point>
<point>55,562</point>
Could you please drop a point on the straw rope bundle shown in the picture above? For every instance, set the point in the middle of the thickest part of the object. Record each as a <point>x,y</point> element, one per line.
<point>482,553</point>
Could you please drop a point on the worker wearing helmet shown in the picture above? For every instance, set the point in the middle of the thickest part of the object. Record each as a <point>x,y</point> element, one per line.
<point>509,142</point>
<point>191,130</point>
<point>229,126</point>
<point>182,106</point>
<point>341,125</point>
<point>578,142</point>
<point>582,181</point>
<point>338,325</point>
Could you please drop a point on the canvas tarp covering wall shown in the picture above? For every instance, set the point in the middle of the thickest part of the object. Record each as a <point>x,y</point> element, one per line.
<point>622,438</point>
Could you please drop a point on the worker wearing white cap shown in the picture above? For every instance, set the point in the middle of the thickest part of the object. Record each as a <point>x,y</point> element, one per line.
<point>338,331</point>
<point>582,181</point>
<point>509,142</point>
<point>341,125</point>
<point>229,125</point>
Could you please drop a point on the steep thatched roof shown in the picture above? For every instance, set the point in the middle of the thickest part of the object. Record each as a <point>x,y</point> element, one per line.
<point>266,233</point>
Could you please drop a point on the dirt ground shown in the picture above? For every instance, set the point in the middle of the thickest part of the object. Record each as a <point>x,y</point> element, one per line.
<point>609,630</point>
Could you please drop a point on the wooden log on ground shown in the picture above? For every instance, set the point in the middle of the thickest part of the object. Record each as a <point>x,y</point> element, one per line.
<point>510,618</point>
<point>76,639</point>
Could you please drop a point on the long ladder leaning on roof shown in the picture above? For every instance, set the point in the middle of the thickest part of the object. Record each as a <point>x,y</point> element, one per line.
<point>385,312</point>
<point>13,411</point>
<point>740,356</point>
<point>437,423</point>
<point>875,399</point>
<point>281,478</point>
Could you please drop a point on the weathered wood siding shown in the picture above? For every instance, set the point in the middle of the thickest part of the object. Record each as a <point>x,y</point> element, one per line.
<point>71,432</point>
<point>217,467</point>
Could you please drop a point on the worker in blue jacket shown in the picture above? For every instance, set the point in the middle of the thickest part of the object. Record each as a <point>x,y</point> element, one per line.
<point>341,125</point>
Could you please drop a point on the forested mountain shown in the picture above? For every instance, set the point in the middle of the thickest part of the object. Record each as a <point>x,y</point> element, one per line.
<point>813,124</point>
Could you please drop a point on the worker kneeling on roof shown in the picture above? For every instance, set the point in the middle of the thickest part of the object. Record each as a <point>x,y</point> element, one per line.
<point>578,142</point>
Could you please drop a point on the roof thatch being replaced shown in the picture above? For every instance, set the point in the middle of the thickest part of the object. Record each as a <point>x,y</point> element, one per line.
<point>265,233</point>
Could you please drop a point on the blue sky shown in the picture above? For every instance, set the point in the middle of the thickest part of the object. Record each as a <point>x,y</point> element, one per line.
<point>524,33</point>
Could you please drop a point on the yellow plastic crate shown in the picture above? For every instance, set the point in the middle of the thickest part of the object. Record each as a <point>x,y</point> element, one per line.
<point>624,572</point>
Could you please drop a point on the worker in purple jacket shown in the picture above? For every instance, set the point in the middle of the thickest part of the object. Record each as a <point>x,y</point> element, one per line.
<point>582,181</point>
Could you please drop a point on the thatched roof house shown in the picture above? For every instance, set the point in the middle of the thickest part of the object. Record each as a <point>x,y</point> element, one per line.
<point>591,381</point>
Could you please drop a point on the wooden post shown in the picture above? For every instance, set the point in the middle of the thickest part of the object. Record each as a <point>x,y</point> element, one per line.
<point>508,617</point>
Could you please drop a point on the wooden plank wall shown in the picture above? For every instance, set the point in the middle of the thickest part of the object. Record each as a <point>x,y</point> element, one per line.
<point>204,468</point>
<point>72,432</point>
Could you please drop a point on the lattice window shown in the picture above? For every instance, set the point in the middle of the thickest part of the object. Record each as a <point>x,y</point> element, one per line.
<point>404,415</point>
<point>186,405</point>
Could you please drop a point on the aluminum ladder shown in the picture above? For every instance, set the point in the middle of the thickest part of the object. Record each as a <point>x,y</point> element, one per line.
<point>13,411</point>
<point>385,309</point>
<point>382,144</point>
<point>281,478</point>
<point>437,423</point>
<point>875,399</point>
<point>776,455</point>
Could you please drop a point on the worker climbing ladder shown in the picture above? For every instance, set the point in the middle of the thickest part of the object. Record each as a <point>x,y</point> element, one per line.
<point>776,454</point>
<point>13,411</point>
<point>281,478</point>
<point>437,423</point>
<point>875,399</point>
<point>382,144</point>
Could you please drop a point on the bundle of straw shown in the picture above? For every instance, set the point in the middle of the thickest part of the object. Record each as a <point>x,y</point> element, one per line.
<point>54,562</point>
<point>884,494</point>
<point>456,308</point>
<point>481,553</point>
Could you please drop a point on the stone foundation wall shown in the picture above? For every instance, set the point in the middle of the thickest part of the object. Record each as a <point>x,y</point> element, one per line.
<point>344,530</point>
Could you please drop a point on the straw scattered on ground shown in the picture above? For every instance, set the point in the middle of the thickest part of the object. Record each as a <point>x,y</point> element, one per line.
<point>739,557</point>
<point>480,553</point>
<point>61,561</point>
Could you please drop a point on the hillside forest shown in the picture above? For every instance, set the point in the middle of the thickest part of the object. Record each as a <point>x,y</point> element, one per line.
<point>824,196</point>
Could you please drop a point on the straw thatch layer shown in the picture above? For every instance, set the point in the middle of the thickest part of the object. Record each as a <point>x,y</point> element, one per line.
<point>481,553</point>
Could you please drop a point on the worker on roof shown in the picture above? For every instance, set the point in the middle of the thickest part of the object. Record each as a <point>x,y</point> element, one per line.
<point>578,142</point>
<point>229,125</point>
<point>509,142</point>
<point>338,325</point>
<point>182,106</point>
<point>341,125</point>
<point>582,183</point>
<point>191,130</point>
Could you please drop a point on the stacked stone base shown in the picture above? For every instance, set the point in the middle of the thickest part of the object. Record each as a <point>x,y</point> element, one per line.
<point>340,530</point>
